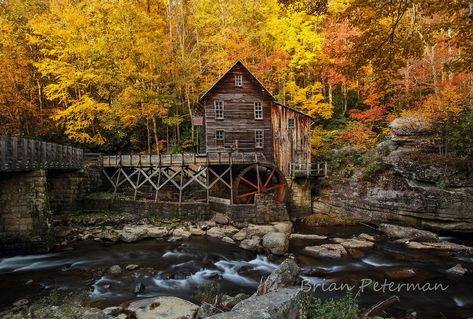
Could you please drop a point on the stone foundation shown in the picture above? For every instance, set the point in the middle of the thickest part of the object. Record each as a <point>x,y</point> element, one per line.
<point>264,211</point>
<point>68,189</point>
<point>24,212</point>
<point>185,211</point>
<point>299,202</point>
<point>28,199</point>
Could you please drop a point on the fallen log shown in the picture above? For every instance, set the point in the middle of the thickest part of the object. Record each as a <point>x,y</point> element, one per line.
<point>380,306</point>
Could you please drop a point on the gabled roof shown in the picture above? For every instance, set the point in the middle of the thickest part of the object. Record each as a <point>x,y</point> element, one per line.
<point>257,81</point>
<point>231,68</point>
<point>293,109</point>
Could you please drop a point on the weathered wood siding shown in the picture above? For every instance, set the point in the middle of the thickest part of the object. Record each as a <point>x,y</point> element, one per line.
<point>239,121</point>
<point>291,145</point>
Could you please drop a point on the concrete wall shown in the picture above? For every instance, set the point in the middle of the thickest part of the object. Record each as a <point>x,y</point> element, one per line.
<point>24,212</point>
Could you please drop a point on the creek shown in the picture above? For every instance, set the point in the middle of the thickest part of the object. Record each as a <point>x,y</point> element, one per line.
<point>184,268</point>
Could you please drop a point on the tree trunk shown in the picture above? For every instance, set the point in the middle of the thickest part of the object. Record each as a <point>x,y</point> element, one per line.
<point>156,135</point>
<point>189,107</point>
<point>450,73</point>
<point>178,134</point>
<point>167,138</point>
<point>148,136</point>
<point>40,100</point>
<point>433,68</point>
<point>330,92</point>
<point>345,98</point>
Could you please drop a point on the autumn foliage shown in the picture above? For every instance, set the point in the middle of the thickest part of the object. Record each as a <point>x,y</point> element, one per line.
<point>123,75</point>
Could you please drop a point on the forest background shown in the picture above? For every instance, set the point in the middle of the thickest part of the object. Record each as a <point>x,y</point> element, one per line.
<point>125,75</point>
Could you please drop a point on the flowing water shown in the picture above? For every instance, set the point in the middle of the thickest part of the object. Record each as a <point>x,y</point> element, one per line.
<point>181,269</point>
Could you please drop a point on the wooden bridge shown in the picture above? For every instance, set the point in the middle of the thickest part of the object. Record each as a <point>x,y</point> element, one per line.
<point>166,160</point>
<point>22,154</point>
<point>235,177</point>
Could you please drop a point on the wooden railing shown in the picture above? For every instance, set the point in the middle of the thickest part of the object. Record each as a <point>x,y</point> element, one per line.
<point>21,154</point>
<point>298,170</point>
<point>160,160</point>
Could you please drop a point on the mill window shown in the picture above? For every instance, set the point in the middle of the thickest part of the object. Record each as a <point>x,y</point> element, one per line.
<point>238,80</point>
<point>220,137</point>
<point>291,123</point>
<point>219,110</point>
<point>259,137</point>
<point>258,111</point>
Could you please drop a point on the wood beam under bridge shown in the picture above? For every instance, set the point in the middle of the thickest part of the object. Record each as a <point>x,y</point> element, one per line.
<point>226,174</point>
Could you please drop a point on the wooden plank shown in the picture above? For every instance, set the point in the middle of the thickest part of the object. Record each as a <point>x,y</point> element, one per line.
<point>15,162</point>
<point>176,160</point>
<point>3,153</point>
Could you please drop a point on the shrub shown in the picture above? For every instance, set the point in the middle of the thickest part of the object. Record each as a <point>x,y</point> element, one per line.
<point>371,164</point>
<point>208,293</point>
<point>344,308</point>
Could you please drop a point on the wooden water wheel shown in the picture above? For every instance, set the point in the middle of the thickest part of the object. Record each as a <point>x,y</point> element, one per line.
<point>259,178</point>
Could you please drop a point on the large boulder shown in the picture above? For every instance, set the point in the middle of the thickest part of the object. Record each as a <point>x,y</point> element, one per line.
<point>220,218</point>
<point>276,243</point>
<point>240,235</point>
<point>442,245</point>
<point>356,243</point>
<point>407,126</point>
<point>163,308</point>
<point>253,244</point>
<point>259,230</point>
<point>115,270</point>
<point>307,236</point>
<point>205,225</point>
<point>284,276</point>
<point>230,230</point>
<point>179,232</point>
<point>216,232</point>
<point>156,232</point>
<point>280,304</point>
<point>457,270</point>
<point>109,234</point>
<point>408,233</point>
<point>196,231</point>
<point>326,250</point>
<point>131,234</point>
<point>228,240</point>
<point>283,227</point>
<point>364,236</point>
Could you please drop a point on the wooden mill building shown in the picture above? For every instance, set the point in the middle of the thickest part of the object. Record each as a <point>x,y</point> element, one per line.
<point>249,146</point>
<point>241,115</point>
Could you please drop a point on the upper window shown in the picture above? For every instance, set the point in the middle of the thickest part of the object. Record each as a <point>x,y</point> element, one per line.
<point>258,111</point>
<point>219,110</point>
<point>238,80</point>
<point>259,138</point>
<point>220,137</point>
<point>291,123</point>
